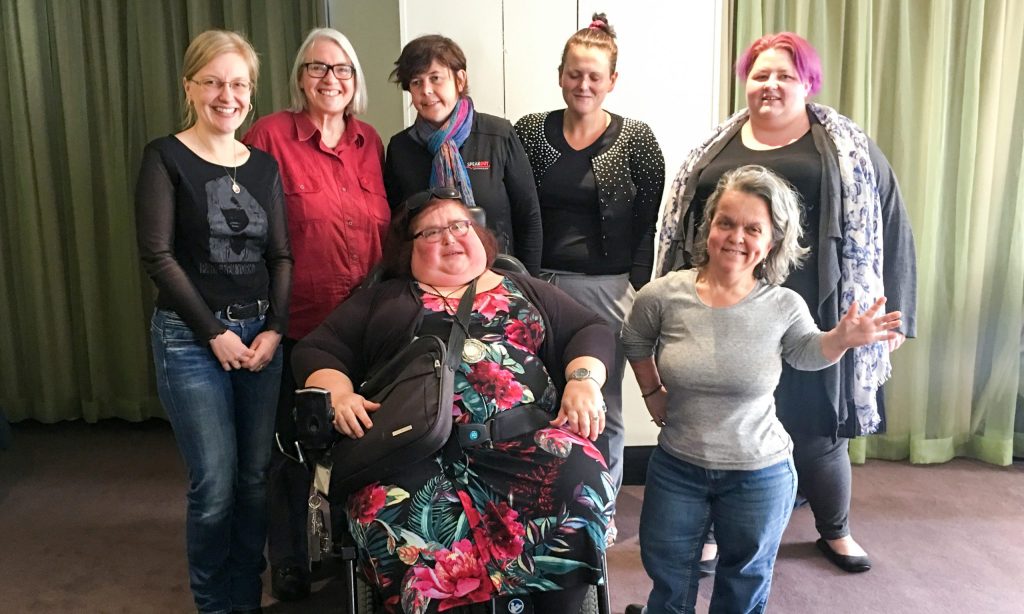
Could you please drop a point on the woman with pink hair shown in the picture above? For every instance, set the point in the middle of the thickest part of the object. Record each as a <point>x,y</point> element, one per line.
<point>857,229</point>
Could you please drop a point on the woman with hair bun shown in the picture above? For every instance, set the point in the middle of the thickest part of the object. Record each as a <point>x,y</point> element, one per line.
<point>599,178</point>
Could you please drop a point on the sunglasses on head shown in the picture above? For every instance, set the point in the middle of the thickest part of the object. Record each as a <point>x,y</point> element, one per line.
<point>442,192</point>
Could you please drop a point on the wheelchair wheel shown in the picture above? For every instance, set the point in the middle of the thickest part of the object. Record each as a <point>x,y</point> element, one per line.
<point>366,598</point>
<point>590,602</point>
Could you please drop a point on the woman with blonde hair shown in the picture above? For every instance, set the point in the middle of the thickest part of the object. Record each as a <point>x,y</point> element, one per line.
<point>212,234</point>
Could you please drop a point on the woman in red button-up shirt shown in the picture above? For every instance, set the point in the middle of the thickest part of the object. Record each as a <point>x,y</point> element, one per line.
<point>337,219</point>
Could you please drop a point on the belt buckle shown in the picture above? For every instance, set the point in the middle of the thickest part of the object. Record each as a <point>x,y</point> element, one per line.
<point>261,308</point>
<point>228,314</point>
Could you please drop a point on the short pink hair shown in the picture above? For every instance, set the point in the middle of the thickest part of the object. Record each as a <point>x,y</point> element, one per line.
<point>805,58</point>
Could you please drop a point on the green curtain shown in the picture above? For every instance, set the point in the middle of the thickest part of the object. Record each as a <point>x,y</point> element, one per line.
<point>937,83</point>
<point>84,84</point>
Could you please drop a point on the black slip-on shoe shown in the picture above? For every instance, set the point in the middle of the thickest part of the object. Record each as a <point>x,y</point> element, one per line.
<point>851,564</point>
<point>289,583</point>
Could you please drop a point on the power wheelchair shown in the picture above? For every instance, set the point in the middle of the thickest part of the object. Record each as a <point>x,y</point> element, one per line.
<point>360,598</point>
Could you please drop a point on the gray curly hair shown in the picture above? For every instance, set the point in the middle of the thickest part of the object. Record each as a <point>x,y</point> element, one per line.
<point>784,207</point>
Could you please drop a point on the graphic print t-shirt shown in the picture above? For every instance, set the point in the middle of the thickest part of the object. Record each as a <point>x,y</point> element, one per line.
<point>197,235</point>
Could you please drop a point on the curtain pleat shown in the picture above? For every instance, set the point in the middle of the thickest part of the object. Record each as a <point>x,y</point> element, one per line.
<point>937,84</point>
<point>85,84</point>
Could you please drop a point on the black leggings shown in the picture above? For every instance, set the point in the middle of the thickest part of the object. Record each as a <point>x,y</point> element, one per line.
<point>824,479</point>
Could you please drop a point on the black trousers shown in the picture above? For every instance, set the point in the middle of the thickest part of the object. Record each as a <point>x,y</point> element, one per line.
<point>825,479</point>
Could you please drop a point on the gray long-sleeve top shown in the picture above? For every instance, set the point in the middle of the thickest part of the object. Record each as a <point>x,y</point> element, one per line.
<point>721,366</point>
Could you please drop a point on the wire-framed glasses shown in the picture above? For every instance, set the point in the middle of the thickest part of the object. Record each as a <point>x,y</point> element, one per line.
<point>216,85</point>
<point>458,228</point>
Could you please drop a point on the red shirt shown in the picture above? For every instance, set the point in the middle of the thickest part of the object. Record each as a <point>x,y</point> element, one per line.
<point>338,213</point>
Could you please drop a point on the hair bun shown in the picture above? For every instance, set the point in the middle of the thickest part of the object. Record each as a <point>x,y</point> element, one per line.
<point>599,21</point>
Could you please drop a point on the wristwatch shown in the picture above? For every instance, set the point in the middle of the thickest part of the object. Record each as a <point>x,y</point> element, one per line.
<point>583,373</point>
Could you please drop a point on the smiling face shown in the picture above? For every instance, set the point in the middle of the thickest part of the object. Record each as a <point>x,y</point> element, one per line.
<point>221,111</point>
<point>453,260</point>
<point>327,95</point>
<point>775,92</point>
<point>435,91</point>
<point>740,233</point>
<point>586,78</point>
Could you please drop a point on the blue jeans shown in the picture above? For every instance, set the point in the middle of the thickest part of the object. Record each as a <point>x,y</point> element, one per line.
<point>223,422</point>
<point>750,510</point>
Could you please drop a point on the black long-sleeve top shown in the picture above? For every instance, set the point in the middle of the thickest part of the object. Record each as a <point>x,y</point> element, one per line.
<point>499,172</point>
<point>376,323</point>
<point>206,247</point>
<point>629,170</point>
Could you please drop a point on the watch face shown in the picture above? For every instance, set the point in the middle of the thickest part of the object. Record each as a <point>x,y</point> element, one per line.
<point>581,373</point>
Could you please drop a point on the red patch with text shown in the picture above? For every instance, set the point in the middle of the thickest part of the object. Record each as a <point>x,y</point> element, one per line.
<point>480,165</point>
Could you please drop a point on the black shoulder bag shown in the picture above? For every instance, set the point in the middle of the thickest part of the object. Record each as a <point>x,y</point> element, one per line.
<point>415,392</point>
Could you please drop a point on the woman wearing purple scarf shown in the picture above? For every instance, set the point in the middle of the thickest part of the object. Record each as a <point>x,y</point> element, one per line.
<point>453,145</point>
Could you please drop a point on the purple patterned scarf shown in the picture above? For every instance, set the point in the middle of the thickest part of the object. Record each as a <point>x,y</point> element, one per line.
<point>443,143</point>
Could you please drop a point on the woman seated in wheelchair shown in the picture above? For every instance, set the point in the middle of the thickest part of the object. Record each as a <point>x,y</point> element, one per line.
<point>523,515</point>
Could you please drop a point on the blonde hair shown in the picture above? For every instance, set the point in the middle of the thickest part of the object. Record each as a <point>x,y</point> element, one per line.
<point>203,49</point>
<point>359,100</point>
<point>599,34</point>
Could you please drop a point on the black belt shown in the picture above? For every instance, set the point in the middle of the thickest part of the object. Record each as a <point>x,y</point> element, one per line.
<point>246,311</point>
<point>504,425</point>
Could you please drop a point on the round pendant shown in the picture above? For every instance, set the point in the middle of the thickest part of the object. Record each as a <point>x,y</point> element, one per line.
<point>473,351</point>
<point>235,188</point>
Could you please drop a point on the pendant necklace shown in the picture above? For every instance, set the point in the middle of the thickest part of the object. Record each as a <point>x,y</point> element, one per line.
<point>234,184</point>
<point>473,350</point>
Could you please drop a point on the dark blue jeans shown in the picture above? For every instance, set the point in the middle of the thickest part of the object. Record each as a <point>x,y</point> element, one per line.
<point>750,510</point>
<point>223,422</point>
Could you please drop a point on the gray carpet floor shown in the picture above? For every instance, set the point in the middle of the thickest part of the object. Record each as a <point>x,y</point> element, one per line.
<point>92,520</point>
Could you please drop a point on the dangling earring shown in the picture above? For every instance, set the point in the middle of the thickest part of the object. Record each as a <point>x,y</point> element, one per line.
<point>250,107</point>
<point>761,267</point>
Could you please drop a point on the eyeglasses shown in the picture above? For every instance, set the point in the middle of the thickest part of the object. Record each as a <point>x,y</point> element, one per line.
<point>458,228</point>
<point>318,70</point>
<point>216,85</point>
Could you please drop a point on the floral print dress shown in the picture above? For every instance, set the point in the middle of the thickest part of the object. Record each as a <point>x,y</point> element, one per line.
<point>527,514</point>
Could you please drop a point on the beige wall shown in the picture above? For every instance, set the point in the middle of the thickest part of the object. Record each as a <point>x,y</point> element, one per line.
<point>373,28</point>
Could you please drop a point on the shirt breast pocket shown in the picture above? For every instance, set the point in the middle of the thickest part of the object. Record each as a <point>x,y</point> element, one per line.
<point>376,199</point>
<point>303,194</point>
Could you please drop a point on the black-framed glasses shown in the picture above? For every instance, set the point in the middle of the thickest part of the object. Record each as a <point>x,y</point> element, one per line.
<point>458,228</point>
<point>216,85</point>
<point>318,70</point>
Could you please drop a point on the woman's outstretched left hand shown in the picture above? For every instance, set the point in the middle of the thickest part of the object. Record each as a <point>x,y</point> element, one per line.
<point>856,329</point>
<point>582,409</point>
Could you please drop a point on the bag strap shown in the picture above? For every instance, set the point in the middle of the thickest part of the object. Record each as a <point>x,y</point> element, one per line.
<point>460,327</point>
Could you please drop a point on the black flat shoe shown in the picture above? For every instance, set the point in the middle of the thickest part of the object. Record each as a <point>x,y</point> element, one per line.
<point>707,568</point>
<point>289,583</point>
<point>852,564</point>
<point>636,608</point>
